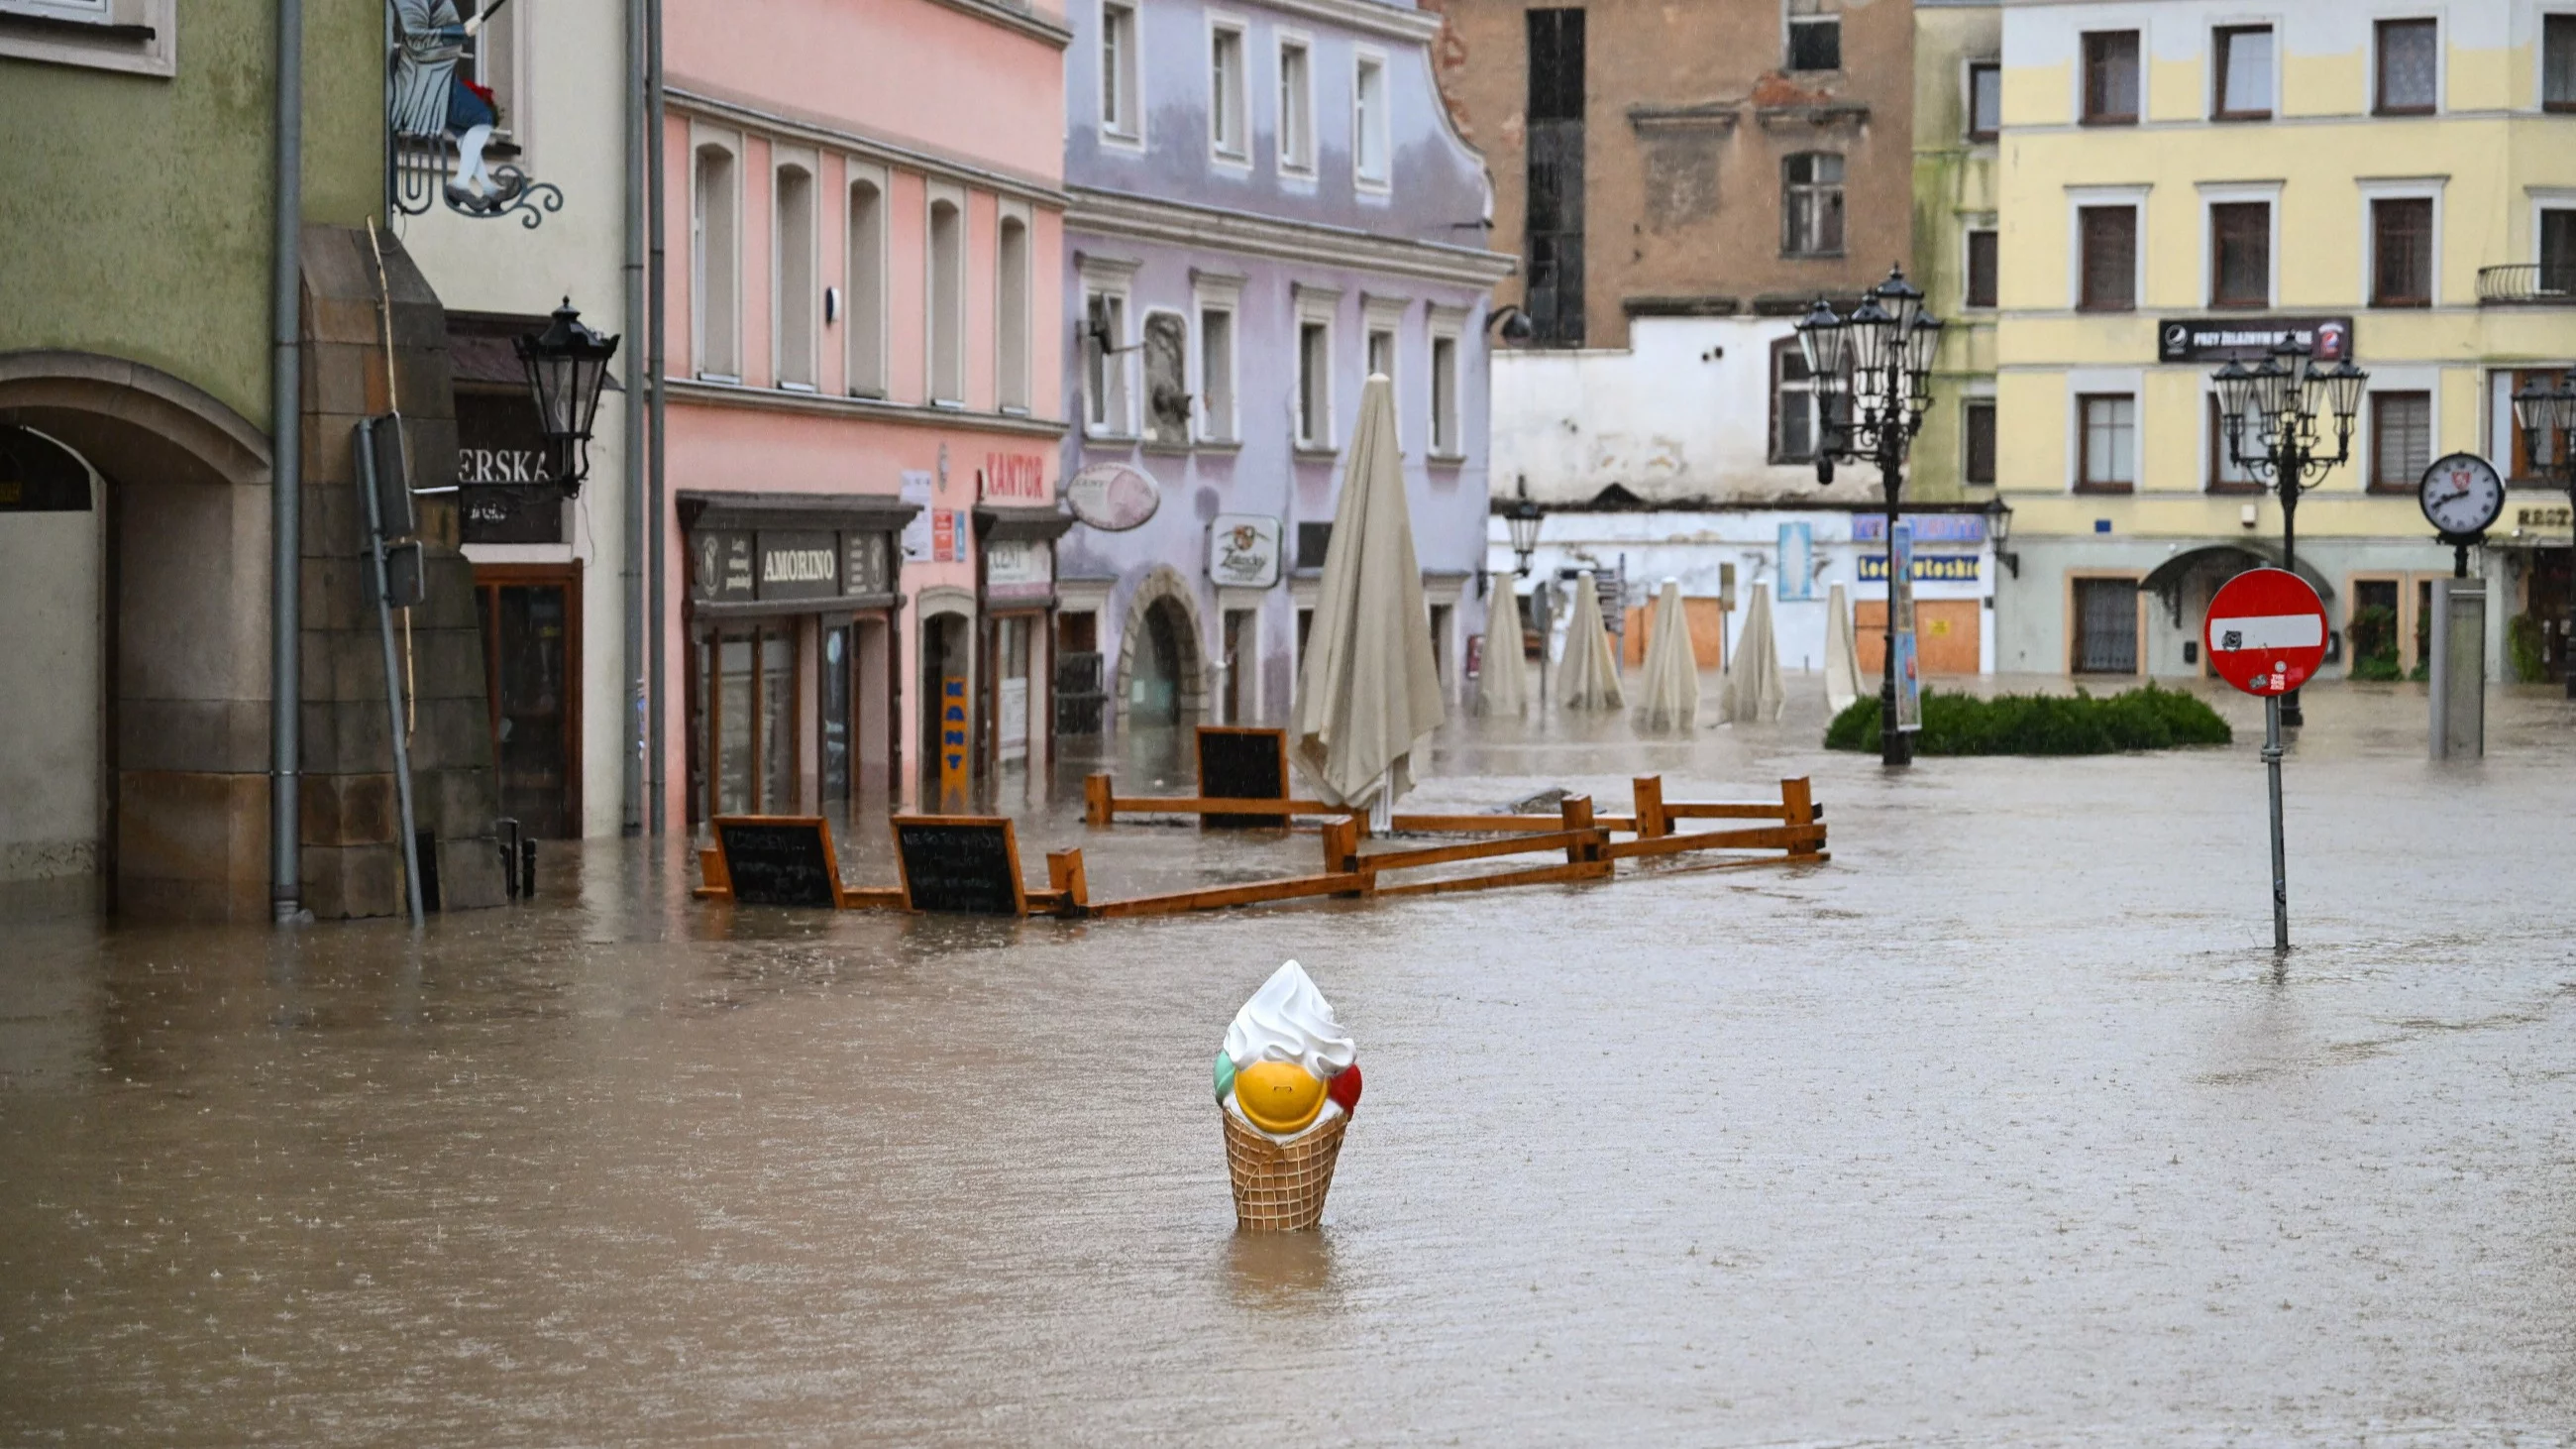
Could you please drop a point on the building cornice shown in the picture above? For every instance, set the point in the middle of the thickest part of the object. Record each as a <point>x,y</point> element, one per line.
<point>1114,213</point>
<point>1027,22</point>
<point>816,132</point>
<point>720,394</point>
<point>1370,16</point>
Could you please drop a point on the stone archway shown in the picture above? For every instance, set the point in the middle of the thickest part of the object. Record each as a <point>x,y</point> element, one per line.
<point>1163,589</point>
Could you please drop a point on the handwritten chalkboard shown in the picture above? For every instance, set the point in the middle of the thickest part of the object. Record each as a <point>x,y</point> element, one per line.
<point>1242,764</point>
<point>966,864</point>
<point>779,860</point>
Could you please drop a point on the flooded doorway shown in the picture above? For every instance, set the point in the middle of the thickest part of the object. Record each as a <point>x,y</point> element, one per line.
<point>1155,684</point>
<point>531,620</point>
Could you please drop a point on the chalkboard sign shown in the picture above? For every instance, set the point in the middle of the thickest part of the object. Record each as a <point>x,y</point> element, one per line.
<point>779,860</point>
<point>966,864</point>
<point>1242,764</point>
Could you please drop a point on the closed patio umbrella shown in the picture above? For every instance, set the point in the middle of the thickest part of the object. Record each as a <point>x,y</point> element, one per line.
<point>1588,676</point>
<point>1669,699</point>
<point>1751,689</point>
<point>1370,687</point>
<point>1842,654</point>
<point>1503,687</point>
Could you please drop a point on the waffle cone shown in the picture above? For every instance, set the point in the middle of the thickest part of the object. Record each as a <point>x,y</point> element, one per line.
<point>1280,1186</point>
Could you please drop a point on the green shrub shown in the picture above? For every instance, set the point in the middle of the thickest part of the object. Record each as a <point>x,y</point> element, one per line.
<point>2372,635</point>
<point>2523,650</point>
<point>2147,718</point>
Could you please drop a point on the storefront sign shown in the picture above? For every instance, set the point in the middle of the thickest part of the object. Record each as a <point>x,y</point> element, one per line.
<point>1935,568</point>
<point>800,565</point>
<point>2247,339</point>
<point>1015,478</point>
<point>868,563</point>
<point>2552,518</point>
<point>505,491</point>
<point>1928,527</point>
<point>720,566</point>
<point>1243,551</point>
<point>1112,497</point>
<point>1018,569</point>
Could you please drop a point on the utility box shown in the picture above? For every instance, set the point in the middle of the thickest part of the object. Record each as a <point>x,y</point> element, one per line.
<point>2458,672</point>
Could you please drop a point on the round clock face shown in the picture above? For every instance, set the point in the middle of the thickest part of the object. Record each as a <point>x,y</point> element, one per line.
<point>2462,494</point>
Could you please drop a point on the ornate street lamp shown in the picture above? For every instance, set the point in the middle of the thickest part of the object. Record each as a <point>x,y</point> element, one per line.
<point>567,364</point>
<point>1872,376</point>
<point>1523,519</point>
<point>2547,417</point>
<point>2273,414</point>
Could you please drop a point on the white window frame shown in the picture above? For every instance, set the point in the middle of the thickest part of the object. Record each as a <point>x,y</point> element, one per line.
<point>1968,68</point>
<point>2426,379</point>
<point>2229,193</point>
<point>115,46</point>
<point>781,161</point>
<point>1368,130</point>
<point>2213,445</point>
<point>2539,199</point>
<point>1217,292</point>
<point>2083,382</point>
<point>701,141</point>
<point>1006,213</point>
<point>1239,114</point>
<point>2209,77</point>
<point>2398,188</point>
<point>1292,162</point>
<point>866,351</point>
<point>1123,125</point>
<point>1789,23</point>
<point>1112,277</point>
<point>1988,222</point>
<point>2134,197</point>
<point>933,196</point>
<point>1447,444</point>
<point>2441,62</point>
<point>1314,305</point>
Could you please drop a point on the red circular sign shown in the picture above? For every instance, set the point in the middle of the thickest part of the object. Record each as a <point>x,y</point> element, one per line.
<point>2266,632</point>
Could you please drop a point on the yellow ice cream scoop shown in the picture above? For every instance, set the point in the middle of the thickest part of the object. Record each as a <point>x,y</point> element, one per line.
<point>1280,1097</point>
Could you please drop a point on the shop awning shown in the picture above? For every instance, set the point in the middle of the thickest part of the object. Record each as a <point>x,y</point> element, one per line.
<point>1018,525</point>
<point>710,509</point>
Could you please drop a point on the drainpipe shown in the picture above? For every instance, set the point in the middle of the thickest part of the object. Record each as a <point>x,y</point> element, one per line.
<point>632,732</point>
<point>286,480</point>
<point>655,527</point>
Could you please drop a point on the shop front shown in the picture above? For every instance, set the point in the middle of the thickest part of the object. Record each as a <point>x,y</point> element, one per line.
<point>794,676</point>
<point>527,595</point>
<point>1016,588</point>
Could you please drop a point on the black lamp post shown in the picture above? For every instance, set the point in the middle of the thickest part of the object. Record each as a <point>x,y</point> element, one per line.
<point>2272,413</point>
<point>567,364</point>
<point>1872,373</point>
<point>1523,519</point>
<point>2547,417</point>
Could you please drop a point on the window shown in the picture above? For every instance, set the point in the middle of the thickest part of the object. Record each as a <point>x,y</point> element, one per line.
<point>138,37</point>
<point>1793,404</point>
<point>867,288</point>
<point>1011,316</point>
<point>1381,353</point>
<point>947,303</point>
<point>1370,140</point>
<point>2107,237</point>
<point>1167,392</point>
<point>1104,365</point>
<point>2106,443</point>
<point>1811,205</point>
<point>1314,385</point>
<point>2508,441</point>
<point>1296,107</point>
<point>1553,245</point>
<point>1216,373</point>
<point>1977,436</point>
<point>2111,78</point>
<point>714,272</point>
<point>2401,251</point>
<point>2410,67</point>
<point>2225,474</point>
<point>2558,63</point>
<point>2106,626</point>
<point>1981,267</point>
<point>2243,85</point>
<point>2240,254</point>
<point>1120,115</point>
<point>1444,398</point>
<point>492,58</point>
<point>2558,250</point>
<point>2401,440</point>
<point>1985,99</point>
<point>796,295</point>
<point>1815,35</point>
<point>1226,125</point>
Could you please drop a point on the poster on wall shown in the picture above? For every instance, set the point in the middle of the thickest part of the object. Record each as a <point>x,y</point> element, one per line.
<point>1900,606</point>
<point>1017,568</point>
<point>916,534</point>
<point>1797,561</point>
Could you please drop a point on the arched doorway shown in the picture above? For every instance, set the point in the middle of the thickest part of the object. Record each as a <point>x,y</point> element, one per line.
<point>1154,691</point>
<point>1162,667</point>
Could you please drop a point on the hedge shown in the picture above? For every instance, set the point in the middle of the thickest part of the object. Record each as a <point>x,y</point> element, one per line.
<point>2042,724</point>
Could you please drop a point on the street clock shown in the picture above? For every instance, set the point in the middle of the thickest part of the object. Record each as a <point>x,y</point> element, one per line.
<point>2462,496</point>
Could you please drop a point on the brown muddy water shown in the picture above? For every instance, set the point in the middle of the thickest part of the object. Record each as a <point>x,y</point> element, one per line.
<point>2000,1127</point>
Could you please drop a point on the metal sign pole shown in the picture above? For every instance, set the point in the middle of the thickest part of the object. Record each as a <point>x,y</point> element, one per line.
<point>2280,858</point>
<point>393,677</point>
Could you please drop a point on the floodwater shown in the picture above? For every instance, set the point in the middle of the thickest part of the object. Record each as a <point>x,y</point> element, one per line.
<point>2003,1126</point>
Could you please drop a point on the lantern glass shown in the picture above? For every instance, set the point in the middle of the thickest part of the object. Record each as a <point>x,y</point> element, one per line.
<point>567,366</point>
<point>1523,519</point>
<point>1873,336</point>
<point>1900,299</point>
<point>1825,340</point>
<point>2339,389</point>
<point>2234,385</point>
<point>1922,344</point>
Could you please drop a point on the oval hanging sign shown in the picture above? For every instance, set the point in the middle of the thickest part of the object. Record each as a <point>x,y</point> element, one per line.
<point>1112,497</point>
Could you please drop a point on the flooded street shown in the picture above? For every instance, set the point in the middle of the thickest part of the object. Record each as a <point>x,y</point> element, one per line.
<point>2001,1126</point>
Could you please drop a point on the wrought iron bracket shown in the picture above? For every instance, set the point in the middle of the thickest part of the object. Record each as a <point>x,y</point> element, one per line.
<point>420,172</point>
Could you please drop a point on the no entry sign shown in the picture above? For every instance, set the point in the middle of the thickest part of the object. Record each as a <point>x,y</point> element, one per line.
<point>2266,632</point>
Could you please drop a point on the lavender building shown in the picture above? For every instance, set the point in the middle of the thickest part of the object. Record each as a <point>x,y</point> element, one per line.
<point>1267,205</point>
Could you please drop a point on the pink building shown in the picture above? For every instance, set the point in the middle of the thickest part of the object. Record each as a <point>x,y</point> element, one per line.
<point>864,227</point>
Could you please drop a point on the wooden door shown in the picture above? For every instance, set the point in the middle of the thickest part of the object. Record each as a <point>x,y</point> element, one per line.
<point>1945,635</point>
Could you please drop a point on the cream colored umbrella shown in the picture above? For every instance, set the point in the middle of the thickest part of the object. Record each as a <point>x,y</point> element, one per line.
<point>1669,699</point>
<point>1751,689</point>
<point>1588,676</point>
<point>1503,687</point>
<point>1842,654</point>
<point>1370,687</point>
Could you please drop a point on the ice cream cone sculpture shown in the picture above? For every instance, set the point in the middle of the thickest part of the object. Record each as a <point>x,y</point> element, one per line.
<point>1287,1081</point>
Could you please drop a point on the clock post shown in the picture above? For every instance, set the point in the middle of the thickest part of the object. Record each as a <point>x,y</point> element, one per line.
<point>2462,495</point>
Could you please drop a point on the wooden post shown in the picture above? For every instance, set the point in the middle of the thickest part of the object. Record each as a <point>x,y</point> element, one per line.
<point>1099,806</point>
<point>1651,821</point>
<point>1578,816</point>
<point>1342,844</point>
<point>1798,807</point>
<point>1065,875</point>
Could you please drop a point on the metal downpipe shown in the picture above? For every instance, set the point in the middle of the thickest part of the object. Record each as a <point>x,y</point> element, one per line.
<point>286,481</point>
<point>638,699</point>
<point>655,526</point>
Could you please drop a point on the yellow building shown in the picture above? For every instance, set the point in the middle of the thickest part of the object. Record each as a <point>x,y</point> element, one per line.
<point>2180,178</point>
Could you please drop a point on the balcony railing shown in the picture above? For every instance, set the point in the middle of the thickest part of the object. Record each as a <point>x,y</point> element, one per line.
<point>2528,284</point>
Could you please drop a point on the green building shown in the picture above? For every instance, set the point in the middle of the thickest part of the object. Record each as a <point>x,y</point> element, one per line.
<point>1958,55</point>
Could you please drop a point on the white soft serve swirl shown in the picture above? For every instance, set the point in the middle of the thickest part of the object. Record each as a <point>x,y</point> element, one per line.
<point>1288,1020</point>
